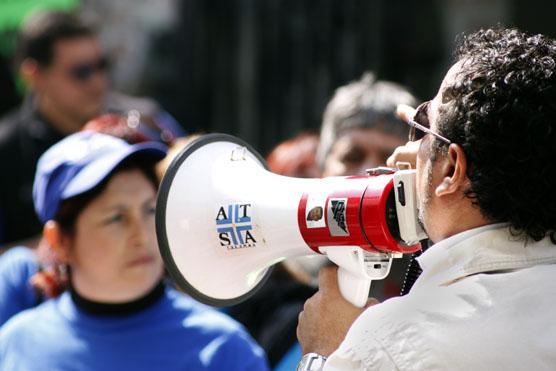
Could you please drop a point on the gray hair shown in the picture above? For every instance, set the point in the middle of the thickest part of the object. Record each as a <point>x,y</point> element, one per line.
<point>365,103</point>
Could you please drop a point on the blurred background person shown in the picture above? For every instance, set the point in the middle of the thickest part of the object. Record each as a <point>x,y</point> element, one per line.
<point>19,264</point>
<point>63,65</point>
<point>7,86</point>
<point>95,195</point>
<point>296,157</point>
<point>360,128</point>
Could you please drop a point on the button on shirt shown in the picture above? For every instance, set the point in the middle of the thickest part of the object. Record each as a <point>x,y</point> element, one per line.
<point>486,300</point>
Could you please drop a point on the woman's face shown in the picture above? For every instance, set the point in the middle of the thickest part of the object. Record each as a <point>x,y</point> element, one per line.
<point>114,255</point>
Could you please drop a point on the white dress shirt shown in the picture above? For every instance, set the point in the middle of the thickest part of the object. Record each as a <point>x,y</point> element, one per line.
<point>486,300</point>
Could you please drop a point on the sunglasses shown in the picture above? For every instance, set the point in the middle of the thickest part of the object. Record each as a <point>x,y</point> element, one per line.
<point>84,71</point>
<point>420,125</point>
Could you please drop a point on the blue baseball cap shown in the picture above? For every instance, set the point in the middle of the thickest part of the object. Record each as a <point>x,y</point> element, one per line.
<point>80,162</point>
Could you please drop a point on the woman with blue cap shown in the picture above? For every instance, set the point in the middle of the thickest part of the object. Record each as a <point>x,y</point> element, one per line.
<point>95,195</point>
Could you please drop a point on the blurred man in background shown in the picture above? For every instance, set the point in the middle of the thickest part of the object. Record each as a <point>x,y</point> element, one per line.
<point>360,129</point>
<point>61,61</point>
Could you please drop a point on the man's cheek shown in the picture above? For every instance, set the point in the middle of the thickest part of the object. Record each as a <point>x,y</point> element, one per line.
<point>423,150</point>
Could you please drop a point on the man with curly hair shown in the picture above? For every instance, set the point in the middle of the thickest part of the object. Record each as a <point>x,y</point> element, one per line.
<point>485,150</point>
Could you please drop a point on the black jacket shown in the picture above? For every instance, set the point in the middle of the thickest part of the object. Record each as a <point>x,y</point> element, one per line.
<point>24,137</point>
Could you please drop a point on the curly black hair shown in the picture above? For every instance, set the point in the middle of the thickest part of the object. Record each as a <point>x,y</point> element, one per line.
<point>504,117</point>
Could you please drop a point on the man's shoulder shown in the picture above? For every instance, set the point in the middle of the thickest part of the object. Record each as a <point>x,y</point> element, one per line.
<point>437,325</point>
<point>421,312</point>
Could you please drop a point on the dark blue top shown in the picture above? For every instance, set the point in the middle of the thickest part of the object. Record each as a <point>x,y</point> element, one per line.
<point>174,333</point>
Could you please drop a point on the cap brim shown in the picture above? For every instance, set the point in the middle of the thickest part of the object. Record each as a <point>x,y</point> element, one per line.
<point>95,172</point>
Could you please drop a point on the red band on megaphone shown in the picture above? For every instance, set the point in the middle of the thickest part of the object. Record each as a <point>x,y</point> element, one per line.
<point>354,213</point>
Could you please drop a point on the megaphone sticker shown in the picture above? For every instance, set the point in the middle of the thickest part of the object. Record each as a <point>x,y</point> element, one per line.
<point>234,227</point>
<point>314,211</point>
<point>337,217</point>
<point>315,214</point>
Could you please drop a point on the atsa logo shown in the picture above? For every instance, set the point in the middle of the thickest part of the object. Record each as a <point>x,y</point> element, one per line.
<point>234,226</point>
<point>337,217</point>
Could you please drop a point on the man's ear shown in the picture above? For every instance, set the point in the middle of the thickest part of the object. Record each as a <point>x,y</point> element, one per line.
<point>453,172</point>
<point>30,72</point>
<point>58,241</point>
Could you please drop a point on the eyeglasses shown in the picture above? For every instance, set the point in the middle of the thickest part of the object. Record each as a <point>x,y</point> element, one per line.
<point>421,121</point>
<point>84,71</point>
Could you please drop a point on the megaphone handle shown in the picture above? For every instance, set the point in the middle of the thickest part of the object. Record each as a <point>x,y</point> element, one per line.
<point>354,280</point>
<point>354,288</point>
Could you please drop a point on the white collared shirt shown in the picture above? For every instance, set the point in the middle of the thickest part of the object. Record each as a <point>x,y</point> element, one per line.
<point>486,300</point>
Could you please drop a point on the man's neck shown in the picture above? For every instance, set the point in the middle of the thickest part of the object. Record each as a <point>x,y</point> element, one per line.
<point>59,120</point>
<point>459,219</point>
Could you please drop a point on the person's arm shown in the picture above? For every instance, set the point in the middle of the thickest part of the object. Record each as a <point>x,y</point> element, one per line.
<point>326,316</point>
<point>323,325</point>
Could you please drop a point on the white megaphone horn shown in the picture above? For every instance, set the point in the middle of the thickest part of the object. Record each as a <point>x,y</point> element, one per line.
<point>223,220</point>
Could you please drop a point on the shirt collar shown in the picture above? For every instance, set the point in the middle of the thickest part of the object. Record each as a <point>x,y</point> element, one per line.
<point>483,249</point>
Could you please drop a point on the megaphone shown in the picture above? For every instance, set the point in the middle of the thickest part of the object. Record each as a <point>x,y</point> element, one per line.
<point>223,220</point>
